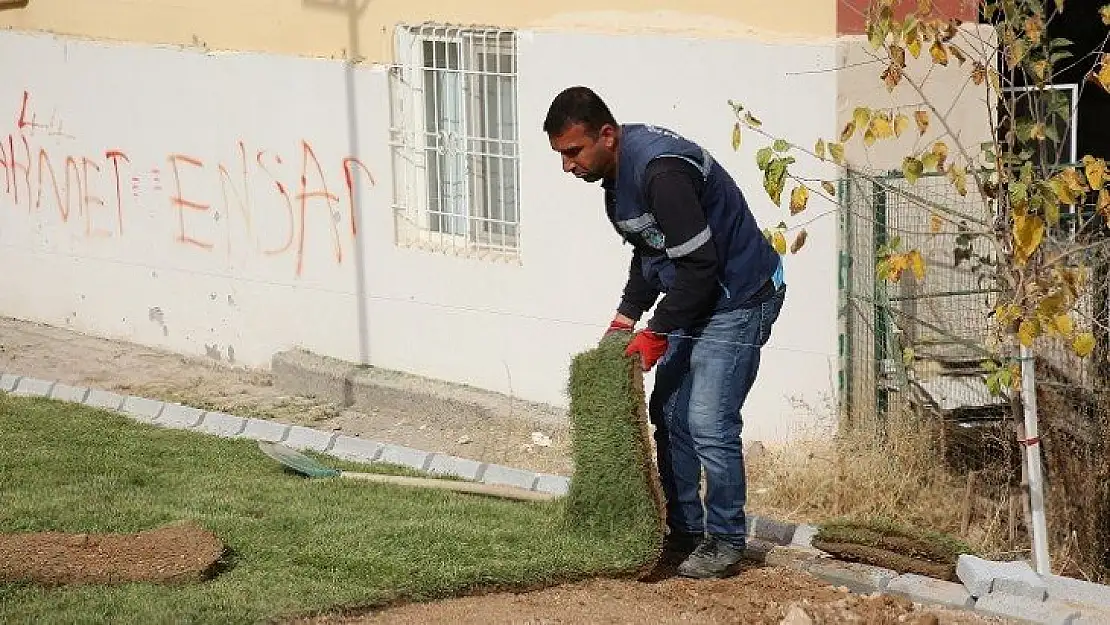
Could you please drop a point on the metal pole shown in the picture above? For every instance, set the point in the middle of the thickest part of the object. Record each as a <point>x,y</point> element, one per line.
<point>1032,459</point>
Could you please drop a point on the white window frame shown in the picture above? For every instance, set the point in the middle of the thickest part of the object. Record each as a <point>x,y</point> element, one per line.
<point>477,212</point>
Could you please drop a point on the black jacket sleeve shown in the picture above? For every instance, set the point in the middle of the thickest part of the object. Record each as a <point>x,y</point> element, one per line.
<point>639,295</point>
<point>673,187</point>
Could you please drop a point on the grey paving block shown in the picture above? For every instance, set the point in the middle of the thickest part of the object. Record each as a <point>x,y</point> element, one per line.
<point>308,374</point>
<point>33,387</point>
<point>104,399</point>
<point>465,468</point>
<point>142,408</point>
<point>221,424</point>
<point>859,578</point>
<point>1013,578</point>
<point>497,474</point>
<point>263,430</point>
<point>1090,616</point>
<point>404,456</point>
<point>306,438</point>
<point>771,530</point>
<point>554,484</point>
<point>356,449</point>
<point>1078,591</point>
<point>931,591</point>
<point>179,416</point>
<point>804,535</point>
<point>1024,608</point>
<point>8,382</point>
<point>65,392</point>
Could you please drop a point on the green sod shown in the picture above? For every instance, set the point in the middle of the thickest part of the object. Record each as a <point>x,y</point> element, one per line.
<point>302,546</point>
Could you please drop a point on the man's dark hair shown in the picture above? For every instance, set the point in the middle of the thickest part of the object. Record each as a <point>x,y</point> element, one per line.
<point>577,105</point>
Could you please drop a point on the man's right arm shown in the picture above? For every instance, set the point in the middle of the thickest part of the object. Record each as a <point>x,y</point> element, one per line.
<point>639,295</point>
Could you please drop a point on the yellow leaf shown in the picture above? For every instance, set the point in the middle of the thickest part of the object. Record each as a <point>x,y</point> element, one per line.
<point>1105,13</point>
<point>1034,28</point>
<point>917,263</point>
<point>892,76</point>
<point>939,54</point>
<point>798,198</point>
<point>819,149</point>
<point>869,138</point>
<point>736,136</point>
<point>924,7</point>
<point>881,126</point>
<point>828,187</point>
<point>914,44</point>
<point>1103,75</point>
<point>901,123</point>
<point>848,131</point>
<point>1095,170</point>
<point>922,119</point>
<point>940,150</point>
<point>836,150</point>
<point>958,175</point>
<point>861,115</point>
<point>958,53</point>
<point>898,264</point>
<point>1064,325</point>
<point>1015,53</point>
<point>931,162</point>
<point>1083,344</point>
<point>978,73</point>
<point>799,241</point>
<point>1104,203</point>
<point>1027,332</point>
<point>1028,234</point>
<point>778,240</point>
<point>1007,314</point>
<point>935,223</point>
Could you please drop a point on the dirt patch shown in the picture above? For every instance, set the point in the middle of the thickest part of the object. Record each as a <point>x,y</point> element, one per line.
<point>883,544</point>
<point>177,553</point>
<point>757,595</point>
<point>888,559</point>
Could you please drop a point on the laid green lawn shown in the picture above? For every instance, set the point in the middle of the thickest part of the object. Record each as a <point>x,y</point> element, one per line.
<point>298,545</point>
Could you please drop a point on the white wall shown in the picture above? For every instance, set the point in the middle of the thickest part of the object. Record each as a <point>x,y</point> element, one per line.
<point>243,279</point>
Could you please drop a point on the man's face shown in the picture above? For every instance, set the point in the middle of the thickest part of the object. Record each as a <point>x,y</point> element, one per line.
<point>587,157</point>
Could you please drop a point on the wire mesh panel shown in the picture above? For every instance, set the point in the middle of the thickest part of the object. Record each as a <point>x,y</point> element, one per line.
<point>454,137</point>
<point>915,342</point>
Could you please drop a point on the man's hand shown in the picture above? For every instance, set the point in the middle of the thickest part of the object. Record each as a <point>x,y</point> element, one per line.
<point>649,345</point>
<point>620,323</point>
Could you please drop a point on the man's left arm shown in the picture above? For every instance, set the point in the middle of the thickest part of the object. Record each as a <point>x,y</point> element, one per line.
<point>672,190</point>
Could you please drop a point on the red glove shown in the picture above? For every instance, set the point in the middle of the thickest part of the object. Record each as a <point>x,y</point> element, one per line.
<point>617,325</point>
<point>649,345</point>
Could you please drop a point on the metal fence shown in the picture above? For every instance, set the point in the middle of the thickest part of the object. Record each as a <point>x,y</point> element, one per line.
<point>917,344</point>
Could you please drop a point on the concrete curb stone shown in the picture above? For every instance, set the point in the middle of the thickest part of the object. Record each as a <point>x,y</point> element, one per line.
<point>263,430</point>
<point>8,382</point>
<point>770,530</point>
<point>221,424</point>
<point>983,577</point>
<point>554,484</point>
<point>355,449</point>
<point>301,438</point>
<point>508,476</point>
<point>147,410</point>
<point>1078,591</point>
<point>33,387</point>
<point>405,456</point>
<point>104,399</point>
<point>1026,609</point>
<point>72,394</point>
<point>181,417</point>
<point>861,578</point>
<point>458,467</point>
<point>928,590</point>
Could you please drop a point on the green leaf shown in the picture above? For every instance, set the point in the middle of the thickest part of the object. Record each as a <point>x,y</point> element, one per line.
<point>781,145</point>
<point>819,149</point>
<point>912,168</point>
<point>736,136</point>
<point>751,120</point>
<point>774,178</point>
<point>762,157</point>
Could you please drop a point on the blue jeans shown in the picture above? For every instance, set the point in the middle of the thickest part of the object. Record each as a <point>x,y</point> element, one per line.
<point>700,387</point>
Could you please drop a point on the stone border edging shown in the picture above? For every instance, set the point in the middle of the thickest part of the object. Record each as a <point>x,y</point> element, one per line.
<point>1007,589</point>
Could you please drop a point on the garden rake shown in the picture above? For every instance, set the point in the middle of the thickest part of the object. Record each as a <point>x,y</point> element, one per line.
<point>304,465</point>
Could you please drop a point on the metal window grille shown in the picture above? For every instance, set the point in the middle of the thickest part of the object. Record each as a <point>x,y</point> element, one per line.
<point>454,137</point>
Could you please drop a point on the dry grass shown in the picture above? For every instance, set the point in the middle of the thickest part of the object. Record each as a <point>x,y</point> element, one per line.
<point>892,473</point>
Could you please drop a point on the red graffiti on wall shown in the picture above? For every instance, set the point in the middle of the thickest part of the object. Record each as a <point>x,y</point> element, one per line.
<point>88,184</point>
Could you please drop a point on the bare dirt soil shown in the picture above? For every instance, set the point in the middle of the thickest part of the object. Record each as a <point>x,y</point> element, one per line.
<point>177,553</point>
<point>757,595</point>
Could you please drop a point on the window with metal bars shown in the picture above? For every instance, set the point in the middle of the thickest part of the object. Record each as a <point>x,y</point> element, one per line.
<point>454,133</point>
